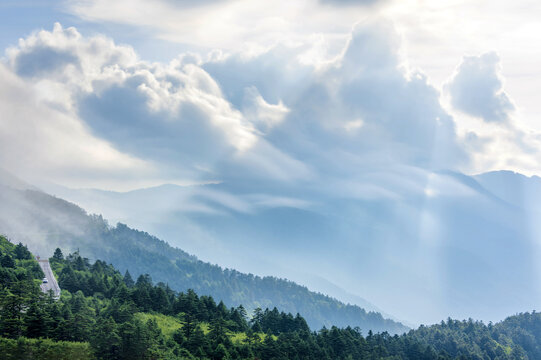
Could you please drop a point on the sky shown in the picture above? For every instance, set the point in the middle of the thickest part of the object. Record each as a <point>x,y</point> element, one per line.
<point>301,105</point>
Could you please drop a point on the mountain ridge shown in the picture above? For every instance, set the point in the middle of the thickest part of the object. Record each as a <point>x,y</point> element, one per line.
<point>62,224</point>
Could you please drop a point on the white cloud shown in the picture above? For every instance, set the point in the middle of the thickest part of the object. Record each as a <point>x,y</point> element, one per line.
<point>184,117</point>
<point>40,141</point>
<point>266,115</point>
<point>174,116</point>
<point>63,55</point>
<point>435,34</point>
<point>488,120</point>
<point>233,25</point>
<point>477,89</point>
<point>263,115</point>
<point>503,146</point>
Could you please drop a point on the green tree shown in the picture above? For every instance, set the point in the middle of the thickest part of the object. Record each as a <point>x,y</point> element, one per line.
<point>7,261</point>
<point>58,254</point>
<point>220,353</point>
<point>35,321</point>
<point>105,340</point>
<point>189,325</point>
<point>22,253</point>
<point>128,280</point>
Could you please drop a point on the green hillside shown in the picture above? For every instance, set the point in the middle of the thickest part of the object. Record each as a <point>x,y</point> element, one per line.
<point>105,315</point>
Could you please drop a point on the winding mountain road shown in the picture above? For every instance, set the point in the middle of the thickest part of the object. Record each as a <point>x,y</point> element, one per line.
<point>51,284</point>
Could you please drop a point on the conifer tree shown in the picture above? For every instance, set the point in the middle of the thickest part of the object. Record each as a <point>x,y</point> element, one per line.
<point>58,254</point>
<point>7,261</point>
<point>105,339</point>
<point>128,279</point>
<point>22,253</point>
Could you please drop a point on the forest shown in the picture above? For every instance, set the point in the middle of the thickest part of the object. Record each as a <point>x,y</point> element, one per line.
<point>103,314</point>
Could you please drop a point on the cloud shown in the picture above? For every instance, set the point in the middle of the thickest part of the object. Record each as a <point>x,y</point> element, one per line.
<point>490,126</point>
<point>38,140</point>
<point>66,56</point>
<point>267,116</point>
<point>503,146</point>
<point>229,25</point>
<point>435,35</point>
<point>401,117</point>
<point>43,60</point>
<point>263,115</point>
<point>171,115</point>
<point>477,89</point>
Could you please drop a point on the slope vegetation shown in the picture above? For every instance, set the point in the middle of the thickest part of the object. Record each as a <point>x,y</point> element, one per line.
<point>102,314</point>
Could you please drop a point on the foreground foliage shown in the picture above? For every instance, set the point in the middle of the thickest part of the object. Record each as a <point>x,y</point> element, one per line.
<point>43,349</point>
<point>103,314</point>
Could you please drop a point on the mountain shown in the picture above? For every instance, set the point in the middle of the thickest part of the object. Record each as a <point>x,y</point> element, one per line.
<point>10,180</point>
<point>515,189</point>
<point>45,222</point>
<point>421,245</point>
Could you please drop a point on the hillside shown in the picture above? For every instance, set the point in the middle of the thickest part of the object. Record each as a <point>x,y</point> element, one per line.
<point>102,314</point>
<point>45,222</point>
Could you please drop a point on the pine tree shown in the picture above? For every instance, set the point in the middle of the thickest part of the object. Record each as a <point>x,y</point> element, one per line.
<point>7,261</point>
<point>218,331</point>
<point>22,253</point>
<point>105,339</point>
<point>220,353</point>
<point>128,280</point>
<point>189,325</point>
<point>35,321</point>
<point>58,254</point>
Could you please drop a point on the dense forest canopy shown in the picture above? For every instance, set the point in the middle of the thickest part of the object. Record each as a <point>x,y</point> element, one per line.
<point>108,315</point>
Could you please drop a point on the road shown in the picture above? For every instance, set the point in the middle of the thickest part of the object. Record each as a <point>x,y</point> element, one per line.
<point>51,283</point>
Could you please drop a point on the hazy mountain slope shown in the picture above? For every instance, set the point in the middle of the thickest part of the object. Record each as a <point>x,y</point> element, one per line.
<point>8,179</point>
<point>45,222</point>
<point>421,245</point>
<point>514,188</point>
<point>171,210</point>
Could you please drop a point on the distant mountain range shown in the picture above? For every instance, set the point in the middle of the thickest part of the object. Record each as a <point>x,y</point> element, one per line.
<point>421,245</point>
<point>45,222</point>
